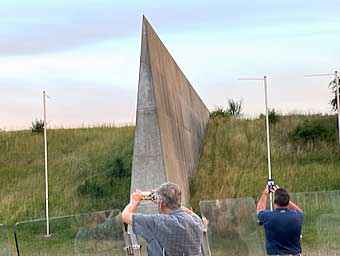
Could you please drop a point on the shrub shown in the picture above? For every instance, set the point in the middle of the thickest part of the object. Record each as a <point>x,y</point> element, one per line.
<point>117,169</point>
<point>273,116</point>
<point>218,112</point>
<point>315,130</point>
<point>37,126</point>
<point>234,108</point>
<point>333,103</point>
<point>92,189</point>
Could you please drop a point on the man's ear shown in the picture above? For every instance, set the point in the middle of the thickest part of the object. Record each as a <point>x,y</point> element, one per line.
<point>162,206</point>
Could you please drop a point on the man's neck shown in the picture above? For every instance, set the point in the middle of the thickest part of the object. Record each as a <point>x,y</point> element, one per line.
<point>281,207</point>
<point>168,211</point>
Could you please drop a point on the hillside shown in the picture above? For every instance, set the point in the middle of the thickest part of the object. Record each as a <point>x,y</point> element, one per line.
<point>89,168</point>
<point>304,156</point>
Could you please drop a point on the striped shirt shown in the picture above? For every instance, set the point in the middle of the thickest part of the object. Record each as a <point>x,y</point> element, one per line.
<point>176,234</point>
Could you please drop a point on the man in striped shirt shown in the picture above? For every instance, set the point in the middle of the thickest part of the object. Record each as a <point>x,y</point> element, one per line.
<point>175,231</point>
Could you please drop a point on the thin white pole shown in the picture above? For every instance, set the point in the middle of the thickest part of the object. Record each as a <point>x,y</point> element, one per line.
<point>337,101</point>
<point>46,173</point>
<point>268,141</point>
<point>267,127</point>
<point>267,130</point>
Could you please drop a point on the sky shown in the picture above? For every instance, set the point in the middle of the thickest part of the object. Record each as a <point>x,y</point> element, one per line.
<point>85,55</point>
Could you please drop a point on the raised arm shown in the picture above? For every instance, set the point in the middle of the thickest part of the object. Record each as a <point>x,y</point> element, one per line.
<point>261,205</point>
<point>294,206</point>
<point>135,200</point>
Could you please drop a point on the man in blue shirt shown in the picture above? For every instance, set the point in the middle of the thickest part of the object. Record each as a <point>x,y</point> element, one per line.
<point>283,225</point>
<point>176,231</point>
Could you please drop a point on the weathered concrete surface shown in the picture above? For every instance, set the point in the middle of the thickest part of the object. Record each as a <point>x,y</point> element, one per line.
<point>171,120</point>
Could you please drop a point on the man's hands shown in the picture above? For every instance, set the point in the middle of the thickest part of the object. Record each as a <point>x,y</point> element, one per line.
<point>261,206</point>
<point>205,224</point>
<point>135,200</point>
<point>187,211</point>
<point>205,221</point>
<point>136,197</point>
<point>267,192</point>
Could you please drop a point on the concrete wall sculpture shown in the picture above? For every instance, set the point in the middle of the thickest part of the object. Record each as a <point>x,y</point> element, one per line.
<point>171,121</point>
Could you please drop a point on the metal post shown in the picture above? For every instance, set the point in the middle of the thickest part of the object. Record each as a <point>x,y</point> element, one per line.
<point>268,141</point>
<point>338,101</point>
<point>267,127</point>
<point>264,79</point>
<point>336,80</point>
<point>46,173</point>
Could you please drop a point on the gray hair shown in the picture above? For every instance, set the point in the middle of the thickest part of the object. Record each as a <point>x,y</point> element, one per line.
<point>170,194</point>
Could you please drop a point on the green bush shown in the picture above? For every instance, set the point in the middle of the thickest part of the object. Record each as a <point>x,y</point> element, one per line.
<point>334,103</point>
<point>92,189</point>
<point>118,169</point>
<point>37,126</point>
<point>234,109</point>
<point>273,116</point>
<point>315,130</point>
<point>218,112</point>
<point>108,188</point>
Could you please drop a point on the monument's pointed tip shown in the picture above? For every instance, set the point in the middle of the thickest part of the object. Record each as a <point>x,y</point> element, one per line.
<point>145,20</point>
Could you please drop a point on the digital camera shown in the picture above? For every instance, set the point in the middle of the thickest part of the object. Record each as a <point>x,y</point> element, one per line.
<point>147,195</point>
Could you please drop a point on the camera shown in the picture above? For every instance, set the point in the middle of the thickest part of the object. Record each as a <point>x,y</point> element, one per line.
<point>147,195</point>
<point>271,185</point>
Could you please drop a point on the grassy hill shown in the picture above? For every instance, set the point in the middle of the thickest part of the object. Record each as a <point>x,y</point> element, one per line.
<point>304,157</point>
<point>89,168</point>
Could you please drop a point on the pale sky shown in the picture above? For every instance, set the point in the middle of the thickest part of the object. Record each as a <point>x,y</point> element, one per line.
<point>85,54</point>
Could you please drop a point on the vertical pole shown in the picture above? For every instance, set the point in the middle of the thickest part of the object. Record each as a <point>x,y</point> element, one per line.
<point>268,143</point>
<point>338,101</point>
<point>46,173</point>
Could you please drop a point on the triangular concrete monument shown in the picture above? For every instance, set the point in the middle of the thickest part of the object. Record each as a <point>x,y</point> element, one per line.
<point>170,123</point>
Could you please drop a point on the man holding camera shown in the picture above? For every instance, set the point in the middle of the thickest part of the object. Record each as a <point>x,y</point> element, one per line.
<point>175,231</point>
<point>283,225</point>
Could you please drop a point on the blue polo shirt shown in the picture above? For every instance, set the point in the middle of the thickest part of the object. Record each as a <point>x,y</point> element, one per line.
<point>283,230</point>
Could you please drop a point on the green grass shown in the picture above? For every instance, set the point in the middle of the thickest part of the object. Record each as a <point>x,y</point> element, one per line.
<point>234,159</point>
<point>72,235</point>
<point>4,241</point>
<point>234,165</point>
<point>233,229</point>
<point>90,168</point>
<point>78,158</point>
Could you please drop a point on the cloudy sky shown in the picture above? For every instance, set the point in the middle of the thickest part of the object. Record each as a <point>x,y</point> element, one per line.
<point>85,54</point>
